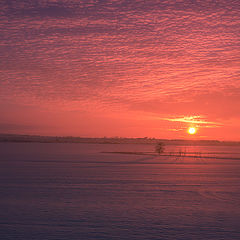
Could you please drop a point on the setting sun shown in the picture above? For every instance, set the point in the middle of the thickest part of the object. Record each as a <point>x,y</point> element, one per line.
<point>192,130</point>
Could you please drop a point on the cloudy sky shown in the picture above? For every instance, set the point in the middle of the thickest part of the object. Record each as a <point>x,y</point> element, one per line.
<point>129,68</point>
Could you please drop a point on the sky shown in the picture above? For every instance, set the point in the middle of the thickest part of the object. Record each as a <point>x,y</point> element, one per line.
<point>127,68</point>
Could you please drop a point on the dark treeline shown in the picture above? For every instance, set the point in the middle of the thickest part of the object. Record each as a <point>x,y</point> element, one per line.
<point>105,140</point>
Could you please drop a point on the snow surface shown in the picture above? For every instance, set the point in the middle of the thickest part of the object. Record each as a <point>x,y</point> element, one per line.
<point>74,191</point>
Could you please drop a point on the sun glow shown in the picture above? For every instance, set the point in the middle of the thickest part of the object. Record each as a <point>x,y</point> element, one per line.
<point>192,130</point>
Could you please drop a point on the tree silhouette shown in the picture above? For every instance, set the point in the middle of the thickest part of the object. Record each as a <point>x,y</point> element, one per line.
<point>159,148</point>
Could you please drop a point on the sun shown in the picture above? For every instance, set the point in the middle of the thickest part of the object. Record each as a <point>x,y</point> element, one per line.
<point>192,130</point>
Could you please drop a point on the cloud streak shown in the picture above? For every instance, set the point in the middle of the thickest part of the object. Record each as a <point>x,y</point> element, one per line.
<point>196,120</point>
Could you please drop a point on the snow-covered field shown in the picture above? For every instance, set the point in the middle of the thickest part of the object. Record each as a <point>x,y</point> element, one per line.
<point>75,191</point>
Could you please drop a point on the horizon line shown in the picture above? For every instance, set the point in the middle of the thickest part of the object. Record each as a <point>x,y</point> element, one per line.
<point>118,137</point>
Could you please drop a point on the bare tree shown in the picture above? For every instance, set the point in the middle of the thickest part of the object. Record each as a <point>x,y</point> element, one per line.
<point>159,148</point>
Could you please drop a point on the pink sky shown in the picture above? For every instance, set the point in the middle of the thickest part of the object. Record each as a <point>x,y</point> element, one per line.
<point>120,68</point>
